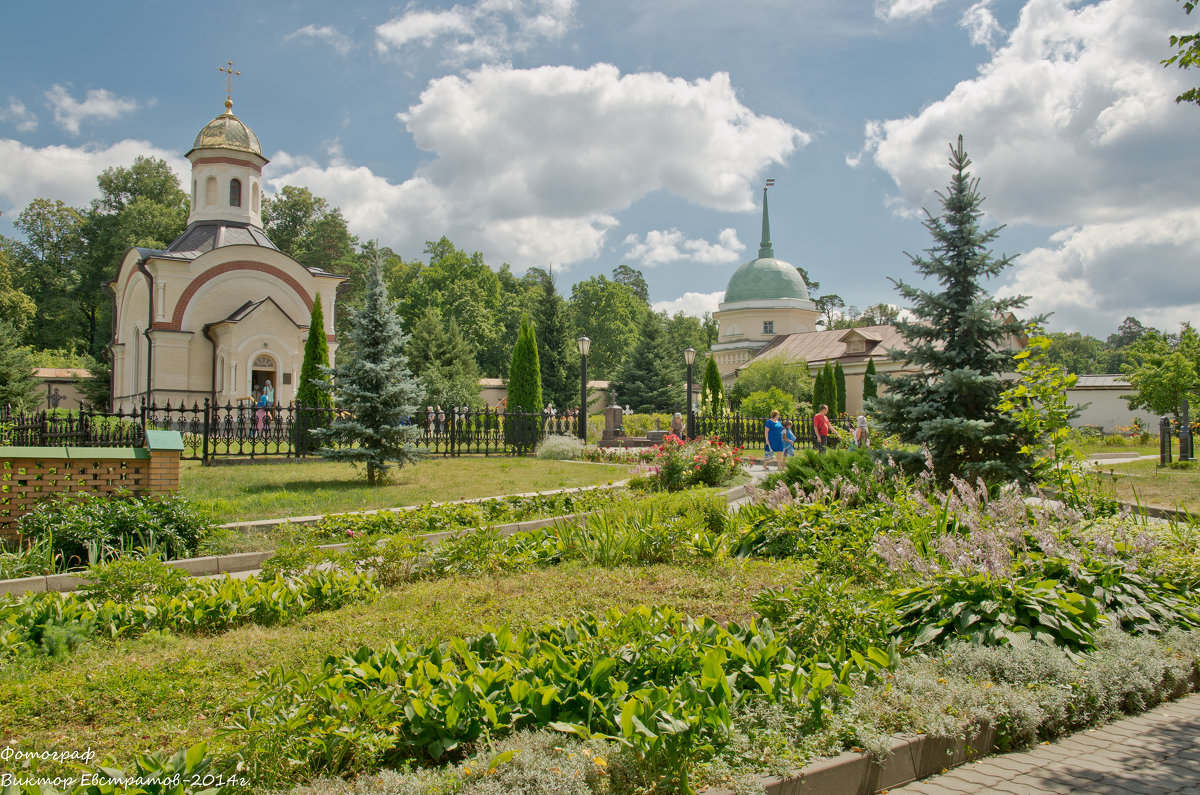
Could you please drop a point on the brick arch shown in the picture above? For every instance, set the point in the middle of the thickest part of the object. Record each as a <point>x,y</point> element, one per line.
<point>227,267</point>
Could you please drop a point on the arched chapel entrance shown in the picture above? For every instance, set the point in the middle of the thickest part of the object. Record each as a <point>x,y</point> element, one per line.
<point>262,370</point>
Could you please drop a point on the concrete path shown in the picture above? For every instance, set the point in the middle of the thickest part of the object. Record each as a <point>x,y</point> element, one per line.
<point>1154,753</point>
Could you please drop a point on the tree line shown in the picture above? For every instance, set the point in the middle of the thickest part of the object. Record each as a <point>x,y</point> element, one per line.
<point>462,313</point>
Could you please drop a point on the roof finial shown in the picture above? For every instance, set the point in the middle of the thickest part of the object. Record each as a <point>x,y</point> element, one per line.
<point>230,73</point>
<point>764,248</point>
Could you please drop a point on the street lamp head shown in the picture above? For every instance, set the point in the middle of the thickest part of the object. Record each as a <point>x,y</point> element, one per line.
<point>585,345</point>
<point>689,355</point>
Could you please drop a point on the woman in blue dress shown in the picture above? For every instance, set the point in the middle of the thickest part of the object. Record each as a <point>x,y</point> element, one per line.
<point>773,434</point>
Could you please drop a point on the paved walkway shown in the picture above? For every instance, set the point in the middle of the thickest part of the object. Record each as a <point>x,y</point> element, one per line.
<point>1151,754</point>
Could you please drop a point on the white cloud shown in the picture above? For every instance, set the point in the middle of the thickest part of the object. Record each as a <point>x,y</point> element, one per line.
<point>19,116</point>
<point>326,33</point>
<point>981,24</point>
<point>1071,124</point>
<point>891,10</point>
<point>694,304</point>
<point>531,166</point>
<point>67,173</point>
<point>660,247</point>
<point>488,31</point>
<point>1092,277</point>
<point>99,104</point>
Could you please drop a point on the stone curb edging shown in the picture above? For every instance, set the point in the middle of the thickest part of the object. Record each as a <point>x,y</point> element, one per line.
<point>248,561</point>
<point>911,757</point>
<point>1158,512</point>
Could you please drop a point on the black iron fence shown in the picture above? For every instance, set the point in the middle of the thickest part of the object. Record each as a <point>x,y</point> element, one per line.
<point>747,432</point>
<point>242,431</point>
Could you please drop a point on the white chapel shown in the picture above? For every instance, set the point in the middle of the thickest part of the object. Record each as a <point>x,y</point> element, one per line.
<point>221,310</point>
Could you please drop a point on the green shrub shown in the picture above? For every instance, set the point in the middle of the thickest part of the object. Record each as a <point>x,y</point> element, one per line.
<point>834,472</point>
<point>133,578</point>
<point>823,615</point>
<point>560,448</point>
<point>89,529</point>
<point>995,612</point>
<point>661,682</point>
<point>204,606</point>
<point>30,558</point>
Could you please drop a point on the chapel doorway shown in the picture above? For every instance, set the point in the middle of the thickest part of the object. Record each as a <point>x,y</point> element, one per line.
<point>264,378</point>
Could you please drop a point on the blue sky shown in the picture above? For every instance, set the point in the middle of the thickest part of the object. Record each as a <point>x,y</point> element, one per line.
<point>585,135</point>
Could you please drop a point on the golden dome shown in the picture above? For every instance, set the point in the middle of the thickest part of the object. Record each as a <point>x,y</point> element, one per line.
<point>228,132</point>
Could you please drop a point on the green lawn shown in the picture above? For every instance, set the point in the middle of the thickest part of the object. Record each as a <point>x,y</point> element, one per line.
<point>1147,483</point>
<point>269,490</point>
<point>161,692</point>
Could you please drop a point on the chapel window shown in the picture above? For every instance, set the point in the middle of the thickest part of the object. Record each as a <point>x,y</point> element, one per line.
<point>235,193</point>
<point>210,192</point>
<point>768,327</point>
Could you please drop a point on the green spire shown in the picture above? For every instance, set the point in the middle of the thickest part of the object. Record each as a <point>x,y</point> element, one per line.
<point>764,248</point>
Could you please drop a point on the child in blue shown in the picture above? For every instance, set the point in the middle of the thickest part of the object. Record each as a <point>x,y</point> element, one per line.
<point>789,440</point>
<point>773,433</point>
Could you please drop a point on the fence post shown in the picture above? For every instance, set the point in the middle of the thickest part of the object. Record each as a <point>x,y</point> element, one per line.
<point>1164,441</point>
<point>204,448</point>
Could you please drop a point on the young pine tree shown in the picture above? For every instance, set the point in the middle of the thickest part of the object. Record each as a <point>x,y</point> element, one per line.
<point>313,396</point>
<point>645,383</point>
<point>560,380</point>
<point>870,391</point>
<point>524,389</point>
<point>376,393</point>
<point>443,361</point>
<point>839,378</point>
<point>957,343</point>
<point>818,395</point>
<point>831,390</point>
<point>712,391</point>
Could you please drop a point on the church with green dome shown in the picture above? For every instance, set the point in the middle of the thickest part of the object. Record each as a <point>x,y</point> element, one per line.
<point>765,298</point>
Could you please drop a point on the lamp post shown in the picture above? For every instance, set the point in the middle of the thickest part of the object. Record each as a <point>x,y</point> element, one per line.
<point>585,345</point>
<point>689,356</point>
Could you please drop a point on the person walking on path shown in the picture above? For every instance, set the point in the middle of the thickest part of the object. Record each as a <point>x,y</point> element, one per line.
<point>822,427</point>
<point>789,440</point>
<point>862,435</point>
<point>773,433</point>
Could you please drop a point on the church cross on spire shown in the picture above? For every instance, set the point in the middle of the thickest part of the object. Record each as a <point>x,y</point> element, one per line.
<point>230,73</point>
<point>764,248</point>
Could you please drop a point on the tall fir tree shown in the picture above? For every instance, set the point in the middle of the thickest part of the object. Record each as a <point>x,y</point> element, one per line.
<point>839,378</point>
<point>19,390</point>
<point>712,390</point>
<point>645,383</point>
<point>559,378</point>
<point>524,374</point>
<point>870,391</point>
<point>376,393</point>
<point>831,390</point>
<point>957,343</point>
<point>310,392</point>
<point>443,361</point>
<point>818,395</point>
<point>524,389</point>
<point>313,391</point>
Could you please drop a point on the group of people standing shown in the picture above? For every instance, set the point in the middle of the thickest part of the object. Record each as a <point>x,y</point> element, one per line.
<point>781,439</point>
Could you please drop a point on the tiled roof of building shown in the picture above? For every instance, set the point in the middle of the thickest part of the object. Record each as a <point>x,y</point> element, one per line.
<point>817,346</point>
<point>1104,381</point>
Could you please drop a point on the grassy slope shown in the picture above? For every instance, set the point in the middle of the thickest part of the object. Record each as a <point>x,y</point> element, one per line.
<point>273,490</point>
<point>162,692</point>
<point>1163,487</point>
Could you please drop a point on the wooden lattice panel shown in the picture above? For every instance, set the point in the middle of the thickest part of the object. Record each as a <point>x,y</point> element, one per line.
<point>28,481</point>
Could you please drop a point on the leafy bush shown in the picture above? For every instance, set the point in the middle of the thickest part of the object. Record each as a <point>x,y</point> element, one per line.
<point>827,616</point>
<point>761,404</point>
<point>836,474</point>
<point>659,682</point>
<point>704,462</point>
<point>560,448</point>
<point>996,612</point>
<point>89,529</point>
<point>205,606</point>
<point>134,578</point>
